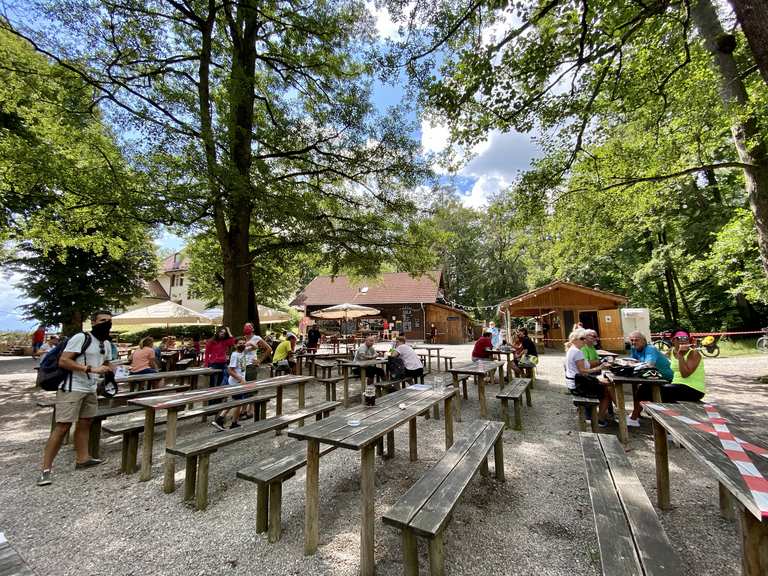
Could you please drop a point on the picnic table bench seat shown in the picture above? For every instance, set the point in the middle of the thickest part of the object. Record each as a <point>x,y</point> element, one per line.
<point>425,509</point>
<point>584,406</point>
<point>631,539</point>
<point>130,429</point>
<point>269,475</point>
<point>185,363</point>
<point>197,452</point>
<point>448,361</point>
<point>324,366</point>
<point>122,397</point>
<point>514,392</point>
<point>11,563</point>
<point>330,386</point>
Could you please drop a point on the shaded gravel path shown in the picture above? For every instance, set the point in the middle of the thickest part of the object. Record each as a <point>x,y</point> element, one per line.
<point>538,522</point>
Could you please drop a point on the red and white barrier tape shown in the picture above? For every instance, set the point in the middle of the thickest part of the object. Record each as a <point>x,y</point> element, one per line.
<point>733,447</point>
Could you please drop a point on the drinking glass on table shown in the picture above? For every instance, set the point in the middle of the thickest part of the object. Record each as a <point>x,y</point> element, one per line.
<point>438,384</point>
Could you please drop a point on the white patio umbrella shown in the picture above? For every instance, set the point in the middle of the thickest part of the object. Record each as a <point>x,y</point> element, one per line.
<point>345,312</point>
<point>267,315</point>
<point>161,314</point>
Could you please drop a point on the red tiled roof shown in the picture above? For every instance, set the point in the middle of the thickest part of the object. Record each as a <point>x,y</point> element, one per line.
<point>391,288</point>
<point>174,262</point>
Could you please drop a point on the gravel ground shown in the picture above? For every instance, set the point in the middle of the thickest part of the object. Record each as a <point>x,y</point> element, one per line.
<point>538,522</point>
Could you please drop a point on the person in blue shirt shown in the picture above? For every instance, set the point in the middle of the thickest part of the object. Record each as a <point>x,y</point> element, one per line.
<point>643,352</point>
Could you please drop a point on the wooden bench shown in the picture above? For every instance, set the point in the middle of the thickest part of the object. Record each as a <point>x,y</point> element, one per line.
<point>11,563</point>
<point>629,535</point>
<point>586,406</point>
<point>330,386</point>
<point>448,362</point>
<point>185,363</point>
<point>197,452</point>
<point>387,386</point>
<point>130,429</point>
<point>529,370</point>
<point>515,392</point>
<point>427,506</point>
<point>269,475</point>
<point>326,367</point>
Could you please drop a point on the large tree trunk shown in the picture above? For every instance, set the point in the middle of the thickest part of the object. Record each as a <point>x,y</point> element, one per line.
<point>753,17</point>
<point>73,325</point>
<point>750,143</point>
<point>253,307</point>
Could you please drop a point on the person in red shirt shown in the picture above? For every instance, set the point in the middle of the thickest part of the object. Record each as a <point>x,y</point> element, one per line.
<point>216,355</point>
<point>38,337</point>
<point>479,351</point>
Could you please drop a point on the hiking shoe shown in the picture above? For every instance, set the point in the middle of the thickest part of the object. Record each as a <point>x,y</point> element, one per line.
<point>45,478</point>
<point>88,464</point>
<point>234,425</point>
<point>218,423</point>
<point>632,422</point>
<point>604,423</point>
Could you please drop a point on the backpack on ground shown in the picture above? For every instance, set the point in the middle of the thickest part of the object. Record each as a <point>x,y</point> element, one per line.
<point>395,367</point>
<point>50,376</point>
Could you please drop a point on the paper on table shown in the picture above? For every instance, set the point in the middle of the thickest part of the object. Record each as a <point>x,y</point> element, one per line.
<point>2,538</point>
<point>420,387</point>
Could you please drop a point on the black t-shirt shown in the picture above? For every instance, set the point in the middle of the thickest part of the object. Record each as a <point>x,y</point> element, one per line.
<point>530,346</point>
<point>313,337</point>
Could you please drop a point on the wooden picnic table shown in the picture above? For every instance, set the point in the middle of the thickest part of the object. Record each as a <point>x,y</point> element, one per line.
<point>706,437</point>
<point>376,422</point>
<point>602,353</point>
<point>362,364</point>
<point>617,382</point>
<point>173,404</point>
<point>510,360</point>
<point>480,370</point>
<point>429,348</point>
<point>136,380</point>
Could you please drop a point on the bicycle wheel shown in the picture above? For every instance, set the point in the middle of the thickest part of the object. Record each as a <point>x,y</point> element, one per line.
<point>711,351</point>
<point>762,344</point>
<point>662,345</point>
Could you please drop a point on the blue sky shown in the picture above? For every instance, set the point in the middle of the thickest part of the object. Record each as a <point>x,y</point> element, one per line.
<point>490,167</point>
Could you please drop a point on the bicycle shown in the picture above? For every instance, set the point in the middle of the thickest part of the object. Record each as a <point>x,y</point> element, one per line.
<point>663,343</point>
<point>709,347</point>
<point>762,342</point>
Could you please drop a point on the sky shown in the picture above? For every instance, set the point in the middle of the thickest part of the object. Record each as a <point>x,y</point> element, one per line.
<point>492,166</point>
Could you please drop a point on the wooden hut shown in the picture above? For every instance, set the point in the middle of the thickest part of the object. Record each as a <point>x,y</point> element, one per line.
<point>559,305</point>
<point>410,304</point>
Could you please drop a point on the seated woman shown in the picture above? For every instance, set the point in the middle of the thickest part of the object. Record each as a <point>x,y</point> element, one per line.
<point>143,360</point>
<point>413,366</point>
<point>687,376</point>
<point>283,360</point>
<point>579,376</point>
<point>479,351</point>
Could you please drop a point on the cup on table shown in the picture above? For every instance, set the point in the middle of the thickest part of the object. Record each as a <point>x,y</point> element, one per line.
<point>438,384</point>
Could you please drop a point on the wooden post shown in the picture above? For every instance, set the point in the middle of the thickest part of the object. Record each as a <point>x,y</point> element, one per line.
<point>133,452</point>
<point>501,377</point>
<point>528,396</point>
<point>448,405</point>
<point>390,444</point>
<point>726,502</point>
<point>582,412</point>
<point>190,477</point>
<point>412,437</point>
<point>169,481</point>
<point>410,553</point>
<point>94,438</point>
<point>505,412</point>
<point>662,466</point>
<point>498,458</point>
<point>302,393</point>
<point>481,396</point>
<point>275,509</point>
<point>518,413</point>
<point>436,557</point>
<point>484,466</point>
<point>593,418</point>
<point>148,444</point>
<point>279,401</point>
<point>655,393</point>
<point>362,384</point>
<point>621,413</point>
<point>367,513</point>
<point>201,485</point>
<point>262,507</point>
<point>754,544</point>
<point>312,498</point>
<point>436,411</point>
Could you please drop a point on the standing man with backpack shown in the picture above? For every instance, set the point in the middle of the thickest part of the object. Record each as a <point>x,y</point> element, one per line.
<point>86,356</point>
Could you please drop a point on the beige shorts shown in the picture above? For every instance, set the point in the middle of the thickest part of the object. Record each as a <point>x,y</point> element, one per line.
<point>71,406</point>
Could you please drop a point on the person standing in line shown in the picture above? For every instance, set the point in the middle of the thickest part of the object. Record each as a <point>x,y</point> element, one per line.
<point>495,334</point>
<point>313,338</point>
<point>76,399</point>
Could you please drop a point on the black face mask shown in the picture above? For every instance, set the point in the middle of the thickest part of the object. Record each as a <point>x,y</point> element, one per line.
<point>101,331</point>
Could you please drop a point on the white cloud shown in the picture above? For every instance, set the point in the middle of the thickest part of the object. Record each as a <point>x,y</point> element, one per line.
<point>10,300</point>
<point>434,136</point>
<point>387,28</point>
